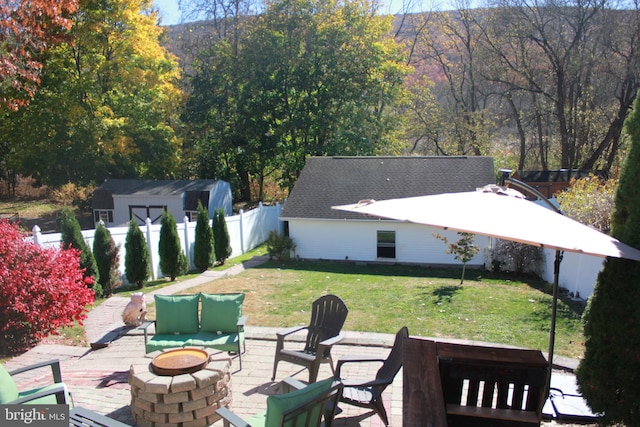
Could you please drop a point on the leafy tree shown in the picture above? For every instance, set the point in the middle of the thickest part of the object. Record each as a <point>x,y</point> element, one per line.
<point>107,255</point>
<point>203,248</point>
<point>41,290</point>
<point>308,77</point>
<point>589,201</point>
<point>463,249</point>
<point>450,43</point>
<point>607,373</point>
<point>137,260</point>
<point>109,100</point>
<point>551,83</point>
<point>173,262</point>
<point>72,237</point>
<point>27,30</point>
<point>222,242</point>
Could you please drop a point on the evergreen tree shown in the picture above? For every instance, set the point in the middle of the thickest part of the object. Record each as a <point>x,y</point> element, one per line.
<point>173,262</point>
<point>137,261</point>
<point>72,236</point>
<point>107,255</point>
<point>222,242</point>
<point>204,256</point>
<point>608,374</point>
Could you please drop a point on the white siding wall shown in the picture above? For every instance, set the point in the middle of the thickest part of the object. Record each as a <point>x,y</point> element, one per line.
<point>357,241</point>
<point>220,197</point>
<point>337,240</point>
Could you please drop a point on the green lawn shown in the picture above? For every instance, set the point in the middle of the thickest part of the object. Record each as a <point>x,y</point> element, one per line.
<point>431,302</point>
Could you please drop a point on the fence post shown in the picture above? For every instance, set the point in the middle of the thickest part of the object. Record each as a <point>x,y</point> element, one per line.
<point>36,235</point>
<point>185,220</point>
<point>279,224</point>
<point>241,231</point>
<point>153,265</point>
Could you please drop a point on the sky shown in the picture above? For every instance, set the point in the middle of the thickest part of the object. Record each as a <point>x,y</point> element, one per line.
<point>170,14</point>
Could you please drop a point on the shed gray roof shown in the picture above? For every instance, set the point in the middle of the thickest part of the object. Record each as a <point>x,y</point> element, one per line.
<point>330,181</point>
<point>103,195</point>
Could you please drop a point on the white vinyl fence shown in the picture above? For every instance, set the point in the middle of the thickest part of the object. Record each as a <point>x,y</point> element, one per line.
<point>578,272</point>
<point>246,231</point>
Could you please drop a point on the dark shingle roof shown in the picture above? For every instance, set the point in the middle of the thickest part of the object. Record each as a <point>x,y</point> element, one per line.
<point>330,181</point>
<point>156,187</point>
<point>103,195</point>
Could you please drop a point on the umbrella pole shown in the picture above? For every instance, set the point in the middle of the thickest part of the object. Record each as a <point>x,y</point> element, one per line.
<point>554,309</point>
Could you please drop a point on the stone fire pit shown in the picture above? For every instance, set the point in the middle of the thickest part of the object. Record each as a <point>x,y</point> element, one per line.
<point>182,400</point>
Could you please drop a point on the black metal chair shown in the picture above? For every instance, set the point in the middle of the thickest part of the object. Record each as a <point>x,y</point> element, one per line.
<point>368,394</point>
<point>327,318</point>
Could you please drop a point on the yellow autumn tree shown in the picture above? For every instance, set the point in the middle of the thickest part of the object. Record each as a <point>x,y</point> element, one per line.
<point>109,101</point>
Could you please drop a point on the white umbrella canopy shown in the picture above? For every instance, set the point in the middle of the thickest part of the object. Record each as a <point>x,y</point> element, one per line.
<point>505,214</point>
<point>498,215</point>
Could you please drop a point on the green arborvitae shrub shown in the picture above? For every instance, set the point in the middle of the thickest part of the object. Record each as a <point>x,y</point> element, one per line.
<point>72,236</point>
<point>173,262</point>
<point>608,373</point>
<point>222,242</point>
<point>107,255</point>
<point>137,261</point>
<point>203,256</point>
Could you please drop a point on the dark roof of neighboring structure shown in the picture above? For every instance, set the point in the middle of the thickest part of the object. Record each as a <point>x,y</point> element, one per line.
<point>562,175</point>
<point>156,187</point>
<point>103,195</point>
<point>331,181</point>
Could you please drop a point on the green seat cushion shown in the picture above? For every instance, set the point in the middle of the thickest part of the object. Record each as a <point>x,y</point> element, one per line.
<point>258,420</point>
<point>224,342</point>
<point>8,388</point>
<point>279,404</point>
<point>176,314</point>
<point>167,341</point>
<point>220,312</point>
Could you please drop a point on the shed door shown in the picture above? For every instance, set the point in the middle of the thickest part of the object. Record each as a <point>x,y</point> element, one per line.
<point>141,213</point>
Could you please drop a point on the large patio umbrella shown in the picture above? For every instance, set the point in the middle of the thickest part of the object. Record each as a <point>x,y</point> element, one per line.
<point>504,214</point>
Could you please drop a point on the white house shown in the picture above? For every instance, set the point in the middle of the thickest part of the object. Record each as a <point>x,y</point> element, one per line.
<point>117,201</point>
<point>320,232</point>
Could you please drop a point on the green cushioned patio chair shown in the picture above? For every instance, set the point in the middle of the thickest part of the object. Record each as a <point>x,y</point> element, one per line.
<point>307,406</point>
<point>56,393</point>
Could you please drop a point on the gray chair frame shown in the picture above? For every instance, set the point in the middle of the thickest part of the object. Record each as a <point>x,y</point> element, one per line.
<point>59,389</point>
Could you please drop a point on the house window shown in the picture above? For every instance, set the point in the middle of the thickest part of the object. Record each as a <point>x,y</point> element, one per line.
<point>105,216</point>
<point>386,244</point>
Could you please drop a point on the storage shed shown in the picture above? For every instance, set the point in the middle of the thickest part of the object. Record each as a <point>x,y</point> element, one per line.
<point>117,201</point>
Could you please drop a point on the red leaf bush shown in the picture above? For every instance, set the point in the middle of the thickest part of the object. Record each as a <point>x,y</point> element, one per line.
<point>41,290</point>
